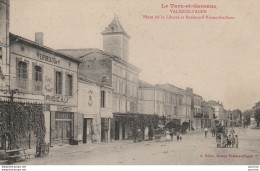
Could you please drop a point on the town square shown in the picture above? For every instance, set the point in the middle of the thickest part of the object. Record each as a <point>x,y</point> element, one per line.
<point>125,86</point>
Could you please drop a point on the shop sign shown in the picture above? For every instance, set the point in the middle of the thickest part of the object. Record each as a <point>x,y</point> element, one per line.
<point>64,108</point>
<point>48,58</point>
<point>48,84</point>
<point>56,99</point>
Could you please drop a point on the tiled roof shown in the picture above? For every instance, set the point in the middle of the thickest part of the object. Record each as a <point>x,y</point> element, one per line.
<point>115,27</point>
<point>78,53</point>
<point>143,84</point>
<point>81,53</point>
<point>213,103</point>
<point>14,37</point>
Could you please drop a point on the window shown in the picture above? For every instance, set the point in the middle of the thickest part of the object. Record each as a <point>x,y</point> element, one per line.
<point>37,84</point>
<point>22,75</point>
<point>69,87</point>
<point>1,52</point>
<point>38,73</point>
<point>58,83</point>
<point>103,96</point>
<point>22,70</point>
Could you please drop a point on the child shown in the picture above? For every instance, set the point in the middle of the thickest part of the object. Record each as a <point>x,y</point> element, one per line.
<point>236,141</point>
<point>225,141</point>
<point>229,141</point>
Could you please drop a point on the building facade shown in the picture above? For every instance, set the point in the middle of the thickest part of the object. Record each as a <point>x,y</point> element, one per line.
<point>152,99</point>
<point>207,115</point>
<point>112,66</point>
<point>197,111</point>
<point>4,45</point>
<point>221,118</point>
<point>43,75</point>
<point>95,106</point>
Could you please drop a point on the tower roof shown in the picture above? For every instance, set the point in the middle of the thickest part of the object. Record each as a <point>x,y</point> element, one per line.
<point>115,27</point>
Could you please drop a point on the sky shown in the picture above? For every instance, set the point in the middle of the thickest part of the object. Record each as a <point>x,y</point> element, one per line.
<point>219,59</point>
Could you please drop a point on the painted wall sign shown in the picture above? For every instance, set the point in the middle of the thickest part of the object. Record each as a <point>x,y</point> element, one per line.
<point>48,84</point>
<point>48,58</point>
<point>90,98</point>
<point>56,99</point>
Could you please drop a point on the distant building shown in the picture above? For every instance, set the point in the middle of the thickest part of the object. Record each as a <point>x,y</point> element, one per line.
<point>236,118</point>
<point>221,118</point>
<point>160,100</point>
<point>208,115</point>
<point>197,112</point>
<point>152,99</point>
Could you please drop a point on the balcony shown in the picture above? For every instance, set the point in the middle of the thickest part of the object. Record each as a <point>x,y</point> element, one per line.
<point>198,115</point>
<point>27,86</point>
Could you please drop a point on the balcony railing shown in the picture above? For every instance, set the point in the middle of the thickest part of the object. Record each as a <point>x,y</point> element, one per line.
<point>26,85</point>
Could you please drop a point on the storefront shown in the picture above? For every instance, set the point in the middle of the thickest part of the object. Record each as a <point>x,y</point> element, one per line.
<point>37,70</point>
<point>62,124</point>
<point>95,106</point>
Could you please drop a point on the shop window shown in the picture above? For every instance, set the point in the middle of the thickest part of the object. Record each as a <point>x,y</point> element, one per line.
<point>58,83</point>
<point>103,100</point>
<point>63,125</point>
<point>69,88</point>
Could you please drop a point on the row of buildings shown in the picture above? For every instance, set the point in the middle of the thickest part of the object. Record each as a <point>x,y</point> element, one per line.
<point>84,90</point>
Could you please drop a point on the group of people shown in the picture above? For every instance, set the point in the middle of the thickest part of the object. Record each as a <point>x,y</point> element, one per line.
<point>172,133</point>
<point>225,140</point>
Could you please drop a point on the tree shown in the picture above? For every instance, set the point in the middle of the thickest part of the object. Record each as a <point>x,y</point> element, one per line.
<point>257,116</point>
<point>247,115</point>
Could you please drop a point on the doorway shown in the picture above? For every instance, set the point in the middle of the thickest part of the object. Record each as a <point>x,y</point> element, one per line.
<point>87,130</point>
<point>117,128</point>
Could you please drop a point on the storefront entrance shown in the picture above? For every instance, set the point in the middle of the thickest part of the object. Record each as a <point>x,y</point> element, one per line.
<point>87,130</point>
<point>63,126</point>
<point>117,130</point>
<point>104,129</point>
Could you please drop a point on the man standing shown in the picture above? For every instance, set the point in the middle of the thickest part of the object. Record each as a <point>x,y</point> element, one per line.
<point>206,131</point>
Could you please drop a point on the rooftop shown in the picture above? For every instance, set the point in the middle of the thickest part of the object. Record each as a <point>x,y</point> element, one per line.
<point>16,38</point>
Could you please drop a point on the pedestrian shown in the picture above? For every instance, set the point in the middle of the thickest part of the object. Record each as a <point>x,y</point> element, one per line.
<point>229,141</point>
<point>178,136</point>
<point>218,139</point>
<point>171,134</point>
<point>232,131</point>
<point>233,141</point>
<point>214,132</point>
<point>206,131</point>
<point>211,130</point>
<point>236,141</point>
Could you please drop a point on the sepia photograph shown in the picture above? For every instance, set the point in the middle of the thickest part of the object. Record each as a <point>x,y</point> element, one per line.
<point>151,82</point>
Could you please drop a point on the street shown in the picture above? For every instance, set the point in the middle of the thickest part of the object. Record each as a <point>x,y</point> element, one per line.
<point>194,149</point>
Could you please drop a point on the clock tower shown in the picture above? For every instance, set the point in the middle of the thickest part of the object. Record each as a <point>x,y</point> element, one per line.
<point>115,39</point>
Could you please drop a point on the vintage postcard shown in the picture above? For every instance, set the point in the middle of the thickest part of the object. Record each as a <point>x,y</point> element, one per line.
<point>151,82</point>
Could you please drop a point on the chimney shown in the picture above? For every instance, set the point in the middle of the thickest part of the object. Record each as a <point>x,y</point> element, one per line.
<point>39,38</point>
<point>189,90</point>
